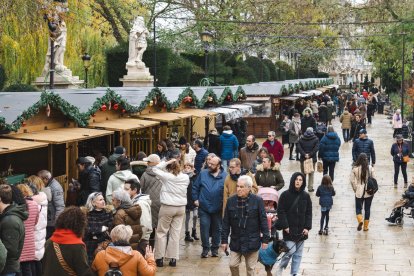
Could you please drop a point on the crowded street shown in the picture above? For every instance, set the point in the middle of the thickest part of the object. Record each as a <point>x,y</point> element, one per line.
<point>383,250</point>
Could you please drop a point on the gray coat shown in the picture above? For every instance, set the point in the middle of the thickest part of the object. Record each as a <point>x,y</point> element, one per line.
<point>151,185</point>
<point>293,136</point>
<point>57,204</point>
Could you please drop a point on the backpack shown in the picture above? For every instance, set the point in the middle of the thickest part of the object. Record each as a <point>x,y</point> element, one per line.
<point>114,270</point>
<point>372,185</point>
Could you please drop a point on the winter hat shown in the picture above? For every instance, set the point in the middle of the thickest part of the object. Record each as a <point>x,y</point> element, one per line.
<point>363,131</point>
<point>182,141</point>
<point>153,158</point>
<point>83,161</point>
<point>399,137</point>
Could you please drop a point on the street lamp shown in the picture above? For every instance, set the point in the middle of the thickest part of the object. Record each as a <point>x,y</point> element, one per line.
<point>297,63</point>
<point>86,63</point>
<point>206,38</point>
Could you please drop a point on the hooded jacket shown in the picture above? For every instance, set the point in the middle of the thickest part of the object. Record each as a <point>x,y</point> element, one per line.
<point>144,202</point>
<point>325,196</point>
<point>12,234</point>
<point>248,156</point>
<point>346,119</point>
<point>308,144</point>
<point>307,122</point>
<point>329,147</point>
<point>117,181</point>
<point>245,231</point>
<point>28,251</point>
<point>107,170</point>
<point>208,190</point>
<point>130,262</point>
<point>90,180</point>
<point>151,185</point>
<point>228,145</point>
<point>130,216</point>
<point>364,146</point>
<point>230,185</point>
<point>297,218</point>
<point>138,168</point>
<point>276,150</point>
<point>40,228</point>
<point>269,177</point>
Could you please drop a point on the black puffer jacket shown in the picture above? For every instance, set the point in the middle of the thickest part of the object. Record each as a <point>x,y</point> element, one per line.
<point>308,144</point>
<point>297,218</point>
<point>245,232</point>
<point>307,122</point>
<point>212,144</point>
<point>90,181</point>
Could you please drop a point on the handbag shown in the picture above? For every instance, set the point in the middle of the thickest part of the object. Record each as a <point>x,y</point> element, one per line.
<point>319,166</point>
<point>371,185</point>
<point>62,261</point>
<point>308,166</point>
<point>406,159</point>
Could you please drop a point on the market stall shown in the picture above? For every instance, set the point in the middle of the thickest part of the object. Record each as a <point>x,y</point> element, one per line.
<point>201,121</point>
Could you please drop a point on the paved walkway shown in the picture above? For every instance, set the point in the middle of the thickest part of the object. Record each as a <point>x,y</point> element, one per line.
<point>383,250</point>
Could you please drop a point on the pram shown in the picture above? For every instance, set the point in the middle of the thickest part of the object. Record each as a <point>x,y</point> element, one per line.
<point>270,198</point>
<point>397,214</point>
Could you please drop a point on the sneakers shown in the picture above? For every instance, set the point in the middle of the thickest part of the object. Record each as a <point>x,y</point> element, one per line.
<point>173,263</point>
<point>159,262</point>
<point>204,254</point>
<point>214,253</point>
<point>325,232</point>
<point>188,237</point>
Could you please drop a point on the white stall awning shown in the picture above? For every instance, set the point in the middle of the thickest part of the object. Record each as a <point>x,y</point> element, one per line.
<point>228,113</point>
<point>245,110</point>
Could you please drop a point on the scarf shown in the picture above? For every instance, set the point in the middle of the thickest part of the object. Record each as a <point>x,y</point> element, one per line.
<point>242,204</point>
<point>296,125</point>
<point>66,236</point>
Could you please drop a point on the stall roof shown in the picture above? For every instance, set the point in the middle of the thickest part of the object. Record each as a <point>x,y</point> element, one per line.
<point>165,116</point>
<point>124,124</point>
<point>61,135</point>
<point>245,109</point>
<point>13,104</point>
<point>289,98</point>
<point>228,113</point>
<point>300,95</point>
<point>313,92</point>
<point>257,99</point>
<point>195,112</point>
<point>11,145</point>
<point>253,104</point>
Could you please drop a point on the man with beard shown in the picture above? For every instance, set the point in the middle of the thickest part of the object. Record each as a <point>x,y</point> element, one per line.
<point>356,126</point>
<point>248,154</point>
<point>230,183</point>
<point>208,196</point>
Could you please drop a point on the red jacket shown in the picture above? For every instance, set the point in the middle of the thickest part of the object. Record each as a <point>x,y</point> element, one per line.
<point>277,150</point>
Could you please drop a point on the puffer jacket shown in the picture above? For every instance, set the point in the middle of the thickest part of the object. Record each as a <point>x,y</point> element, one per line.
<point>40,228</point>
<point>358,185</point>
<point>269,177</point>
<point>228,145</point>
<point>144,202</point>
<point>364,146</point>
<point>296,219</point>
<point>108,169</point>
<point>208,190</point>
<point>28,251</point>
<point>246,234</point>
<point>325,196</point>
<point>90,180</point>
<point>308,144</point>
<point>117,181</point>
<point>405,150</point>
<point>57,204</point>
<point>12,234</point>
<point>174,187</point>
<point>323,113</point>
<point>346,119</point>
<point>329,147</point>
<point>151,185</point>
<point>248,156</point>
<point>307,122</point>
<point>130,215</point>
<point>130,262</point>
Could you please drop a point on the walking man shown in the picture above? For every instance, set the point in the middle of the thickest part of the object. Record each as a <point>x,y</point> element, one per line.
<point>248,154</point>
<point>245,218</point>
<point>229,146</point>
<point>274,147</point>
<point>364,145</point>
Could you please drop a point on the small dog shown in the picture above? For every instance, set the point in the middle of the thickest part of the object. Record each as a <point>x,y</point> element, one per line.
<point>269,256</point>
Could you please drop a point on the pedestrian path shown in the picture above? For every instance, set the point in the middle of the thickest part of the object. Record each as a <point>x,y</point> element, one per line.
<point>383,250</point>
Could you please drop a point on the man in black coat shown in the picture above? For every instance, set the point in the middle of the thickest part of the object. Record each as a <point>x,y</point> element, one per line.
<point>295,219</point>
<point>356,126</point>
<point>245,218</point>
<point>308,147</point>
<point>307,120</point>
<point>89,179</point>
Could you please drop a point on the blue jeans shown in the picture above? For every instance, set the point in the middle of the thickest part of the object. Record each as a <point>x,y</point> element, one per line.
<point>210,221</point>
<point>295,252</point>
<point>225,165</point>
<point>345,134</point>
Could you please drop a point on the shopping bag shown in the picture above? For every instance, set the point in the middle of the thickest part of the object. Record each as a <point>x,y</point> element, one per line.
<point>308,166</point>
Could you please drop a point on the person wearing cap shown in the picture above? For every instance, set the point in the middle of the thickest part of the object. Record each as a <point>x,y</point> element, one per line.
<point>89,179</point>
<point>356,125</point>
<point>364,145</point>
<point>151,185</point>
<point>188,154</point>
<point>109,168</point>
<point>399,150</point>
<point>308,147</point>
<point>118,178</point>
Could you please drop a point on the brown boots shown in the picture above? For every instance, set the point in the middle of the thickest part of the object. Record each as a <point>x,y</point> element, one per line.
<point>360,219</point>
<point>366,223</point>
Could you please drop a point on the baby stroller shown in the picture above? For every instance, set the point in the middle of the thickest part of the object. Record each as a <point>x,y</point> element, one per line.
<point>397,214</point>
<point>268,257</point>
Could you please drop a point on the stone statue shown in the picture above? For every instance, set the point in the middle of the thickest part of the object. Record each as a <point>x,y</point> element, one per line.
<point>137,43</point>
<point>59,48</point>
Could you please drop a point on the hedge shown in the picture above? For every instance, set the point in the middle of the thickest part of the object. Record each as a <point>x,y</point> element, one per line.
<point>19,87</point>
<point>260,70</point>
<point>3,77</point>
<point>272,69</point>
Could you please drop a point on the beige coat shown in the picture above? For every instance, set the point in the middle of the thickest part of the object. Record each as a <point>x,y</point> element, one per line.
<point>357,184</point>
<point>346,119</point>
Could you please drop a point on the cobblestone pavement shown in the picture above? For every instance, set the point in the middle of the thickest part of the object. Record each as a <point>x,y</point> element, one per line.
<point>383,250</point>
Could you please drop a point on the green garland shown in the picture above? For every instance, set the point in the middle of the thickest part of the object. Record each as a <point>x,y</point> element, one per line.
<point>204,100</point>
<point>53,100</point>
<point>239,95</point>
<point>284,91</point>
<point>290,88</point>
<point>186,93</point>
<point>301,86</point>
<point>226,92</point>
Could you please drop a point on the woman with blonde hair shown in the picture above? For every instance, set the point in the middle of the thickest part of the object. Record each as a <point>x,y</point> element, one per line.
<point>99,223</point>
<point>28,262</point>
<point>120,254</point>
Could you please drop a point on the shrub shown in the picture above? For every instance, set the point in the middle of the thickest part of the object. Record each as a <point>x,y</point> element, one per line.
<point>19,87</point>
<point>3,77</point>
<point>289,72</point>
<point>272,69</point>
<point>243,74</point>
<point>260,70</point>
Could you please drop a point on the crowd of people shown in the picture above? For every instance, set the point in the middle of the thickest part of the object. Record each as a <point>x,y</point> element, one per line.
<point>119,210</point>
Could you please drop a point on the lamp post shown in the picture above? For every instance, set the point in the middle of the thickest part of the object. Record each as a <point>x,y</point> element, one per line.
<point>86,63</point>
<point>206,38</point>
<point>297,63</point>
<point>402,78</point>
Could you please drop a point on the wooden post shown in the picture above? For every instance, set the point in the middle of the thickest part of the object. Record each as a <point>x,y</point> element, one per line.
<point>150,140</point>
<point>65,185</point>
<point>127,141</point>
<point>50,158</point>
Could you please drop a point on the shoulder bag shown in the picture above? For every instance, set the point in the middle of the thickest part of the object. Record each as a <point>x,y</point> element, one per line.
<point>371,185</point>
<point>62,261</point>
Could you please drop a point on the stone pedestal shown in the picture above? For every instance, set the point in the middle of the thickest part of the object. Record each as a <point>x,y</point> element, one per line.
<point>137,76</point>
<point>62,80</point>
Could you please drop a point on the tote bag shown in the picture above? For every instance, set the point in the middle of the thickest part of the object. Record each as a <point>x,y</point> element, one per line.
<point>308,166</point>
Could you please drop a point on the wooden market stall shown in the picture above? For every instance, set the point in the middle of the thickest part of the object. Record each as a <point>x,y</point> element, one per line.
<point>201,120</point>
<point>16,159</point>
<point>172,125</point>
<point>134,134</point>
<point>65,145</point>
